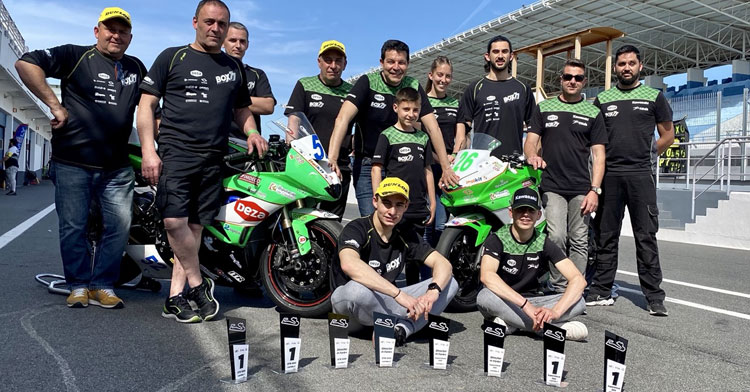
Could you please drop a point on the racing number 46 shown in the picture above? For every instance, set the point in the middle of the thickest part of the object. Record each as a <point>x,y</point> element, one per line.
<point>465,161</point>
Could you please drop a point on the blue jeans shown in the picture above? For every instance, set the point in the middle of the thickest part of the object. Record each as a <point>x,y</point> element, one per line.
<point>361,172</point>
<point>75,188</point>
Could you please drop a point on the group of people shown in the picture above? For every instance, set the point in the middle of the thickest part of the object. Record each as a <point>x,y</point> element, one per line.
<point>404,141</point>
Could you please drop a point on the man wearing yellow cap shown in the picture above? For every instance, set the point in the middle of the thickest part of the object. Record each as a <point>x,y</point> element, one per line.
<point>320,98</point>
<point>373,253</point>
<point>90,131</point>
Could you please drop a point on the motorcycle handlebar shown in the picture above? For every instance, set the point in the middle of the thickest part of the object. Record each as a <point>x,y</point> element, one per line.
<point>239,156</point>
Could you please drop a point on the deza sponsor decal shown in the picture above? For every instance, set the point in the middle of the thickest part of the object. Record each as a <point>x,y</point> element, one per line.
<point>249,211</point>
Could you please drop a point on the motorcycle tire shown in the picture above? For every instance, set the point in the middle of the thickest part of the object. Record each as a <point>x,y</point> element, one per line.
<point>304,288</point>
<point>457,245</point>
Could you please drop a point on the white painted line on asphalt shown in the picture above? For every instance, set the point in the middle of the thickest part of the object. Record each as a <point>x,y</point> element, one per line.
<point>69,379</point>
<point>12,234</point>
<point>693,305</point>
<point>693,285</point>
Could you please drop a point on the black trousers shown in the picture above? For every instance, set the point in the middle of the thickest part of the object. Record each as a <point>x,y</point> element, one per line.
<point>638,193</point>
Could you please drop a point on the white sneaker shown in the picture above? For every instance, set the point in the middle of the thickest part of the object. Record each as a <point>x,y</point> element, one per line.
<point>575,331</point>
<point>508,330</point>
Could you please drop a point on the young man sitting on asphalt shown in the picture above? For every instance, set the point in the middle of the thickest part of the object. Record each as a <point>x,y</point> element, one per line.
<point>373,253</point>
<point>514,259</point>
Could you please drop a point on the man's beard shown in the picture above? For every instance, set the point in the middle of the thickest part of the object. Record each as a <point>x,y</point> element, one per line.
<point>628,81</point>
<point>495,68</point>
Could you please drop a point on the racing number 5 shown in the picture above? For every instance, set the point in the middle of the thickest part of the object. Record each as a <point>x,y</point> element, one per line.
<point>319,152</point>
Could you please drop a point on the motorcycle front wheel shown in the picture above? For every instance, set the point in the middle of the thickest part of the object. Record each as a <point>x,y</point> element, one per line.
<point>302,286</point>
<point>457,245</point>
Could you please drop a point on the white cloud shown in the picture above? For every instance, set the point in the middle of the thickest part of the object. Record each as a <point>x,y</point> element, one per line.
<point>287,48</point>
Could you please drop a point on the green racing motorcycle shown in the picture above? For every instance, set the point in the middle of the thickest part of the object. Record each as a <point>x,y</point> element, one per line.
<point>479,206</point>
<point>267,230</point>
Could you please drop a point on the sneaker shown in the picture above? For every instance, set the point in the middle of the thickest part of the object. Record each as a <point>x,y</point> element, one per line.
<point>575,331</point>
<point>78,298</point>
<point>399,333</point>
<point>203,295</point>
<point>657,308</point>
<point>178,308</point>
<point>11,193</point>
<point>106,298</point>
<point>598,300</point>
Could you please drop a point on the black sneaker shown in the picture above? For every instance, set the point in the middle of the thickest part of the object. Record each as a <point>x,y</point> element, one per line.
<point>178,308</point>
<point>657,308</point>
<point>399,333</point>
<point>203,296</point>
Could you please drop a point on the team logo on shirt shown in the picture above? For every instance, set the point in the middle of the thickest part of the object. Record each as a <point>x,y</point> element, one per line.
<point>102,75</point>
<point>377,105</point>
<point>196,73</point>
<point>551,117</point>
<point>611,114</point>
<point>316,97</point>
<point>611,108</point>
<point>379,97</point>
<point>393,264</point>
<point>406,158</point>
<point>509,270</point>
<point>552,124</point>
<point>513,97</point>
<point>353,243</point>
<point>148,80</point>
<point>404,150</point>
<point>318,104</point>
<point>373,263</point>
<point>511,262</point>
<point>230,76</point>
<point>250,85</point>
<point>130,79</point>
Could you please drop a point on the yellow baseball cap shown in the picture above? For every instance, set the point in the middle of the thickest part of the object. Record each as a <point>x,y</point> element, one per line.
<point>115,12</point>
<point>332,45</point>
<point>393,186</point>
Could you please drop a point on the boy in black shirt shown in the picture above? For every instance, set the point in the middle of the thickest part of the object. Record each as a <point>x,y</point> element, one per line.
<point>372,254</point>
<point>514,259</point>
<point>405,152</point>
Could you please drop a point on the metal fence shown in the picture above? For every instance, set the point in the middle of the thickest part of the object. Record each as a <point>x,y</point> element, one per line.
<point>712,116</point>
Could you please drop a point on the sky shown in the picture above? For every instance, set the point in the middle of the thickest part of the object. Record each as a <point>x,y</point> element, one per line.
<point>284,35</point>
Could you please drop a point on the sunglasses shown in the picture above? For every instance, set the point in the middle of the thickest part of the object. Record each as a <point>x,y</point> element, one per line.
<point>568,77</point>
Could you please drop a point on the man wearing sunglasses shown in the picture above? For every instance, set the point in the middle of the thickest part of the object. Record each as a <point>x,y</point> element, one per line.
<point>568,130</point>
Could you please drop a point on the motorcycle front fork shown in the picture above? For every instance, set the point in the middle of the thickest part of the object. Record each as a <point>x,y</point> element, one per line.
<point>288,231</point>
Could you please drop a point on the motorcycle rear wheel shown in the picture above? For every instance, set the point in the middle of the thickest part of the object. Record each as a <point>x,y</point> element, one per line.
<point>303,289</point>
<point>457,245</point>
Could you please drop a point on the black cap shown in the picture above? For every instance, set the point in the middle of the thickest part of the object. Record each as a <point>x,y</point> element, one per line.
<point>526,197</point>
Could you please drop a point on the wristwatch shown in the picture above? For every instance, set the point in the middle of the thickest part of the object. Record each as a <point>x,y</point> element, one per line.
<point>434,286</point>
<point>596,189</point>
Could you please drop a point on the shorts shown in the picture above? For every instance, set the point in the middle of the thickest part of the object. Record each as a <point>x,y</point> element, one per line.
<point>189,185</point>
